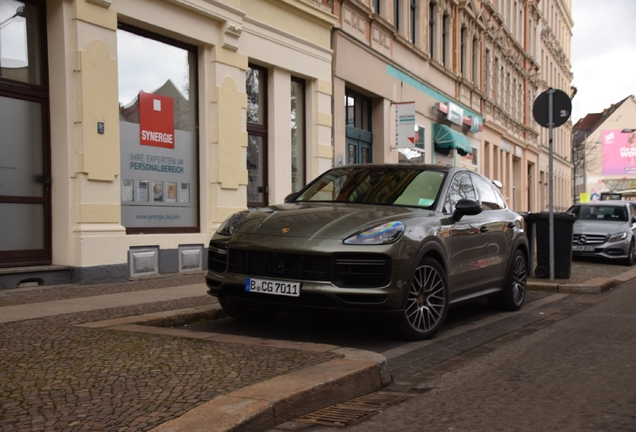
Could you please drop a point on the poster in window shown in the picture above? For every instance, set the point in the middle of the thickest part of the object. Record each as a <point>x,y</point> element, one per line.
<point>142,194</point>
<point>184,196</point>
<point>157,131</point>
<point>171,192</point>
<point>157,191</point>
<point>128,190</point>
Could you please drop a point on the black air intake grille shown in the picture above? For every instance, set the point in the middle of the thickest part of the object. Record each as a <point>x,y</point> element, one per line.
<point>347,271</point>
<point>217,258</point>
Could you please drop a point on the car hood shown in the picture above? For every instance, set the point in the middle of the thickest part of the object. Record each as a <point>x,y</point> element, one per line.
<point>599,227</point>
<point>323,220</point>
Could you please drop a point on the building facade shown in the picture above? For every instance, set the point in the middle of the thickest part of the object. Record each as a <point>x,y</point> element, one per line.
<point>472,69</point>
<point>133,128</point>
<point>604,153</point>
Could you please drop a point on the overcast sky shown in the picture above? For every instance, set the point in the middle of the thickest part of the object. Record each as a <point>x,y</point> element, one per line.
<point>603,54</point>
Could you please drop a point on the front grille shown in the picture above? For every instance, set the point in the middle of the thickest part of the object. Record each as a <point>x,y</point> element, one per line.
<point>590,239</point>
<point>347,271</point>
<point>288,266</point>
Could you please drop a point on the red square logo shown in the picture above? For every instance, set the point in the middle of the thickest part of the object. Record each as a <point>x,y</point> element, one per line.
<point>156,120</point>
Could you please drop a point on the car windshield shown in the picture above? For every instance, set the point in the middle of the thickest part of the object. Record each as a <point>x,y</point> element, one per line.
<point>376,185</point>
<point>600,213</point>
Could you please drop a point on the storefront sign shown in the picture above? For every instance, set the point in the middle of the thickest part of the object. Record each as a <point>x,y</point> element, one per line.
<point>405,124</point>
<point>455,114</point>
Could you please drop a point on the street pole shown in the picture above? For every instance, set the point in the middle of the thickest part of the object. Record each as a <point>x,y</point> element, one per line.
<point>550,180</point>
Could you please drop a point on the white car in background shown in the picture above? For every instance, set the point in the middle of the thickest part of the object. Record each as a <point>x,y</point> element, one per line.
<point>604,229</point>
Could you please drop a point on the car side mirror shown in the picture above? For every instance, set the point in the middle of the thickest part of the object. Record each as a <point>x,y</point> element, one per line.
<point>466,207</point>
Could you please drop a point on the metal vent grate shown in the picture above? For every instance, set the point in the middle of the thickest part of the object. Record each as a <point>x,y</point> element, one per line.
<point>356,409</point>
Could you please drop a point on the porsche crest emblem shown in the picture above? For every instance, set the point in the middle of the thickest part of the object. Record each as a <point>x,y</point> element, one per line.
<point>284,230</point>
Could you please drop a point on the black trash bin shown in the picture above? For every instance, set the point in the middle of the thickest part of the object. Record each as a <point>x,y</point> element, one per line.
<point>563,227</point>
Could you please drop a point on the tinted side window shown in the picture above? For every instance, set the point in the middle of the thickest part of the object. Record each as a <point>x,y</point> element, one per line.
<point>461,188</point>
<point>487,195</point>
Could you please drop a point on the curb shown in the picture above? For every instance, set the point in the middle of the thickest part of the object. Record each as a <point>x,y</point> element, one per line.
<point>591,286</point>
<point>269,403</point>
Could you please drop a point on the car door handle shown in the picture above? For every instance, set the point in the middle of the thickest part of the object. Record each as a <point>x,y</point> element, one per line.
<point>483,229</point>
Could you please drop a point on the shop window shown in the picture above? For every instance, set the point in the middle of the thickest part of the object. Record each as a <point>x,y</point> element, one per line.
<point>157,126</point>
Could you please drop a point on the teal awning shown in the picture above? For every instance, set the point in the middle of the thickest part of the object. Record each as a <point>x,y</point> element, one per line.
<point>445,137</point>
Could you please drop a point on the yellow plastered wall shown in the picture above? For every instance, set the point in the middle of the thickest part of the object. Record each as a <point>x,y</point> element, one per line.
<point>232,138</point>
<point>94,14</point>
<point>100,158</point>
<point>284,15</point>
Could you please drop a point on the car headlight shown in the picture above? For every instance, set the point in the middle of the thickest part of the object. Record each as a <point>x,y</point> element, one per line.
<point>618,236</point>
<point>382,234</point>
<point>231,224</point>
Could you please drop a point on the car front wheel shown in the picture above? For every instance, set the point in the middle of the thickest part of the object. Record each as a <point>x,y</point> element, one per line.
<point>427,302</point>
<point>514,292</point>
<point>629,261</point>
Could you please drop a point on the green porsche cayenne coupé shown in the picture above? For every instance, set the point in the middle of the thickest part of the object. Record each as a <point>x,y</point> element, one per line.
<point>403,241</point>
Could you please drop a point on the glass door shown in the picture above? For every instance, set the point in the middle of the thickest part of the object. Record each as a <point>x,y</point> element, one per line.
<point>25,179</point>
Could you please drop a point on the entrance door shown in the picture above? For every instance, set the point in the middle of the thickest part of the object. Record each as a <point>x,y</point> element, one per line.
<point>25,177</point>
<point>359,144</point>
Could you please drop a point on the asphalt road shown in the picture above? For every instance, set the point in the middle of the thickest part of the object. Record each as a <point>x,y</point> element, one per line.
<point>572,369</point>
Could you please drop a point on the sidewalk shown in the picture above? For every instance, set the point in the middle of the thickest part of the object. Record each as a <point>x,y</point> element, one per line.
<point>105,358</point>
<point>104,362</point>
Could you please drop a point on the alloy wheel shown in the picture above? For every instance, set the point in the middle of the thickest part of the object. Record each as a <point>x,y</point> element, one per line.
<point>519,275</point>
<point>427,299</point>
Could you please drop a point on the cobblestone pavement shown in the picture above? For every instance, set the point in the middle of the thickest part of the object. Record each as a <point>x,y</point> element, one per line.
<point>55,376</point>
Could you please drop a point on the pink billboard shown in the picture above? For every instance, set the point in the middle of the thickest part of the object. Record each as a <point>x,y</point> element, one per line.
<point>619,152</point>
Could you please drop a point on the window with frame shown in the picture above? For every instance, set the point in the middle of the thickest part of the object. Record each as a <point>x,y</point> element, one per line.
<point>256,88</point>
<point>462,52</point>
<point>358,110</point>
<point>445,38</point>
<point>476,52</point>
<point>396,14</point>
<point>158,132</point>
<point>431,29</point>
<point>298,133</point>
<point>487,74</point>
<point>413,7</point>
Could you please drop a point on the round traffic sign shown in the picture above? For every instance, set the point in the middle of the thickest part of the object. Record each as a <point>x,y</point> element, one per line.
<point>561,108</point>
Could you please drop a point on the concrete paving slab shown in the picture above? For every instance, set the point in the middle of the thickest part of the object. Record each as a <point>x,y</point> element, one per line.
<point>107,301</point>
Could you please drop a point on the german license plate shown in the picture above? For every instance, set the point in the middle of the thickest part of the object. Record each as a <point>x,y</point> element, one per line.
<point>266,286</point>
<point>583,248</point>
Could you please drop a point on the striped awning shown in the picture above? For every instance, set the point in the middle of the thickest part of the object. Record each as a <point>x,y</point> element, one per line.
<point>445,137</point>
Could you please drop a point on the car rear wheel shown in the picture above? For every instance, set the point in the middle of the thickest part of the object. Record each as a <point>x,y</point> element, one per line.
<point>514,292</point>
<point>629,261</point>
<point>242,313</point>
<point>427,302</point>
